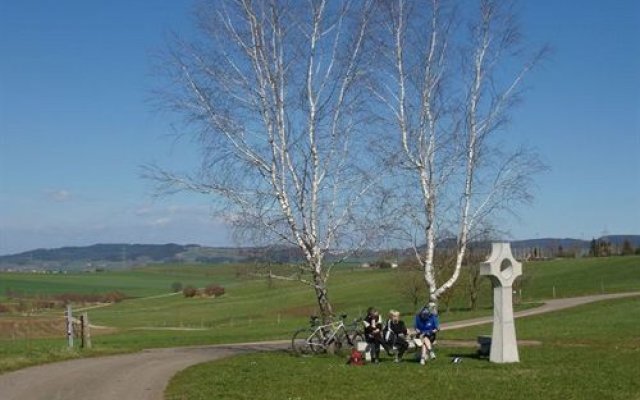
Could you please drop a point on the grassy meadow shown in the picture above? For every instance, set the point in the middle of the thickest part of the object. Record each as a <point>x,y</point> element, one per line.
<point>253,309</point>
<point>590,352</point>
<point>138,282</point>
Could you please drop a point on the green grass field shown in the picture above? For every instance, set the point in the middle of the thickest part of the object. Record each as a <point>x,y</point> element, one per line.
<point>251,310</point>
<point>590,352</point>
<point>139,282</point>
<point>579,277</point>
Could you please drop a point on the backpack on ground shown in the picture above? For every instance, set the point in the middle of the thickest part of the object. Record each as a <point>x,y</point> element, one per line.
<point>355,358</point>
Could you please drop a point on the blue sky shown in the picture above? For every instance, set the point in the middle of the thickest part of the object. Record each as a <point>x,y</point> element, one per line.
<point>76,124</point>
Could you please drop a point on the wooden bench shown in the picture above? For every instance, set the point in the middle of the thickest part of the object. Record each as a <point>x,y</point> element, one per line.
<point>365,348</point>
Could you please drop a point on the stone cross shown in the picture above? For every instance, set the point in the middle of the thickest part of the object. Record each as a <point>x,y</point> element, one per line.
<point>502,269</point>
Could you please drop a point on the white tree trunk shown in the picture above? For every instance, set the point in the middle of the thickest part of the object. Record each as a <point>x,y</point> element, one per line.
<point>273,91</point>
<point>444,118</point>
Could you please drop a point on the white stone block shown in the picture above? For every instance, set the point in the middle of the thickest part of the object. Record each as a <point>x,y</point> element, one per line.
<point>365,349</point>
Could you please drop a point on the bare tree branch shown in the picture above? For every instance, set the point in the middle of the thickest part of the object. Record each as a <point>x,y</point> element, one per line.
<point>272,89</point>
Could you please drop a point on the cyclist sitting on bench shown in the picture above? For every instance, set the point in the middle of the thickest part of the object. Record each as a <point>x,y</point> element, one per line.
<point>427,325</point>
<point>373,332</point>
<point>395,334</point>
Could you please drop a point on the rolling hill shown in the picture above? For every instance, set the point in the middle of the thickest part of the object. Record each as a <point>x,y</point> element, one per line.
<point>120,255</point>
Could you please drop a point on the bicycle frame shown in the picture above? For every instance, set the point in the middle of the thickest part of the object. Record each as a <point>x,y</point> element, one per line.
<point>326,333</point>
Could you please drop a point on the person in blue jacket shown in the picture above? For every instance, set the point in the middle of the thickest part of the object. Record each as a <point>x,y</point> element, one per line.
<point>427,325</point>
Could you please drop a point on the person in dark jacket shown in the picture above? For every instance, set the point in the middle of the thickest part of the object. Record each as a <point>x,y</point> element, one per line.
<point>427,325</point>
<point>395,334</point>
<point>373,333</point>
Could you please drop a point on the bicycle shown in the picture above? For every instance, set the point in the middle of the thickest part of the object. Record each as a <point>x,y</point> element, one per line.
<point>328,337</point>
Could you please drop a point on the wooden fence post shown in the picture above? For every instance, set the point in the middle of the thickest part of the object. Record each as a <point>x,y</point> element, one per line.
<point>69,317</point>
<point>82,331</point>
<point>86,330</point>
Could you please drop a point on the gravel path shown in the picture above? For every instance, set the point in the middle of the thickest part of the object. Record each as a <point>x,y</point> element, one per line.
<point>144,375</point>
<point>137,376</point>
<point>548,306</point>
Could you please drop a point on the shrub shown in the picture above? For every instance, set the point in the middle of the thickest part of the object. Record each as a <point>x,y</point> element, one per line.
<point>43,304</point>
<point>4,308</point>
<point>23,306</point>
<point>114,297</point>
<point>214,290</point>
<point>67,298</point>
<point>110,297</point>
<point>176,287</point>
<point>15,294</point>
<point>189,291</point>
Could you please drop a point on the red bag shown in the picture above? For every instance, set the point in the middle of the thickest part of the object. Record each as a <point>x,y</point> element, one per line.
<point>355,358</point>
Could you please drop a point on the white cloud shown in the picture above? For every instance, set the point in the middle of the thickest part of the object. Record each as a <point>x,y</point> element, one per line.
<point>162,221</point>
<point>162,214</point>
<point>142,211</point>
<point>59,195</point>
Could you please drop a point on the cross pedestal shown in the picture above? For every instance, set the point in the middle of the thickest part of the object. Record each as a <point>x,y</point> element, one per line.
<point>502,269</point>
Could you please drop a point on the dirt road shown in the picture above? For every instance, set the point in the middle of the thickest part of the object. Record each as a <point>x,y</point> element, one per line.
<point>144,375</point>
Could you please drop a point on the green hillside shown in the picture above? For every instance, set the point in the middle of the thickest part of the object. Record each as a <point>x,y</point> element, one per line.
<point>254,309</point>
<point>577,359</point>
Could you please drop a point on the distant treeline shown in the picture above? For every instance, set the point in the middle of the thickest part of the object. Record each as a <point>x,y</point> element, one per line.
<point>99,252</point>
<point>138,254</point>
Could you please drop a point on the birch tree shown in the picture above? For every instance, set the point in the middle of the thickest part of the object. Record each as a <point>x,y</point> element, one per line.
<point>271,90</point>
<point>448,95</point>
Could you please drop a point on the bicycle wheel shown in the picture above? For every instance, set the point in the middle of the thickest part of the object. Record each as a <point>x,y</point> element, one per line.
<point>355,337</point>
<point>300,342</point>
<point>316,343</point>
<point>341,344</point>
